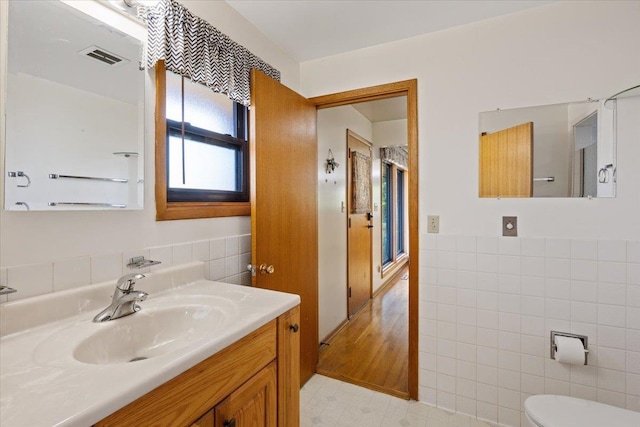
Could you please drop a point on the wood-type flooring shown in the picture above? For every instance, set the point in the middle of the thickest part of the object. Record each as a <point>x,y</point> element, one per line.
<point>371,350</point>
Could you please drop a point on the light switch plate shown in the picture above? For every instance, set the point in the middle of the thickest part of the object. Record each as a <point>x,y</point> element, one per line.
<point>433,224</point>
<point>510,226</point>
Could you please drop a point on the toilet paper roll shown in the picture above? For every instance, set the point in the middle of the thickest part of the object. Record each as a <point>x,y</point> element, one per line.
<point>569,350</point>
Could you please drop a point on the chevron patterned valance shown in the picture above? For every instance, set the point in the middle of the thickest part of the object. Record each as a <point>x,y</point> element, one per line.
<point>193,48</point>
<point>397,155</point>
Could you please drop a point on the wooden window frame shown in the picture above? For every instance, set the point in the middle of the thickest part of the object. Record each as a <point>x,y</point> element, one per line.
<point>166,210</point>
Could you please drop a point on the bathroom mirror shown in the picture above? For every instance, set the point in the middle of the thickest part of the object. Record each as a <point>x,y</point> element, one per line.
<point>74,111</point>
<point>562,150</point>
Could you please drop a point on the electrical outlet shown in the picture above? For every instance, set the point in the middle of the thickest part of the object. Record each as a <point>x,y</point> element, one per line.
<point>433,224</point>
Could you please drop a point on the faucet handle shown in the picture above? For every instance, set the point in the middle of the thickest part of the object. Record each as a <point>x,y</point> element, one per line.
<point>126,282</point>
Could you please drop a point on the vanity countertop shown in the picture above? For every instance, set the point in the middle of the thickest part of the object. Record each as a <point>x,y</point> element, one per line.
<point>41,383</point>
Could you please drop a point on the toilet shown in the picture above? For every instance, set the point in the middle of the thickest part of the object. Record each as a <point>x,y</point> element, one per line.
<point>547,410</point>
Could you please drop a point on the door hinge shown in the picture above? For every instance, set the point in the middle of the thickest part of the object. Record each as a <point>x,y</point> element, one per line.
<point>349,222</point>
<point>349,291</point>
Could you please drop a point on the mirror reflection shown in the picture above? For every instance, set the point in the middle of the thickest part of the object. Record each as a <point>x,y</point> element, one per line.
<point>74,111</point>
<point>562,150</point>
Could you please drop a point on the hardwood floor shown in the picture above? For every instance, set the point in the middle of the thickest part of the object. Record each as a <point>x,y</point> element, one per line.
<point>372,349</point>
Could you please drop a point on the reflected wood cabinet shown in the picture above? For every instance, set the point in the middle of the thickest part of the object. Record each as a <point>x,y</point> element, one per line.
<point>251,383</point>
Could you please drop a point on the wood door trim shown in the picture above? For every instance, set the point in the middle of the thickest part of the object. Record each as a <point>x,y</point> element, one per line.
<point>384,91</point>
<point>359,138</point>
<point>408,88</point>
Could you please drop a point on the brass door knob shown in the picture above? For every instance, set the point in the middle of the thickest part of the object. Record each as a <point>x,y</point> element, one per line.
<point>266,269</point>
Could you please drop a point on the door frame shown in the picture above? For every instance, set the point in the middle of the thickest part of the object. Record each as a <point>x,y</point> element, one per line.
<point>408,88</point>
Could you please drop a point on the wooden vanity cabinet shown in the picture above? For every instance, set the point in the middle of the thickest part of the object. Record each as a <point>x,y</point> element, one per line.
<point>252,383</point>
<point>251,405</point>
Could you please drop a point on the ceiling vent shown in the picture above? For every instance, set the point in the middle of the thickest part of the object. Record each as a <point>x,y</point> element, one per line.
<point>104,56</point>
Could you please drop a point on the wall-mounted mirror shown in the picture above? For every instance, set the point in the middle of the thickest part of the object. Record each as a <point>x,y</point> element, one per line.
<point>562,150</point>
<point>74,111</point>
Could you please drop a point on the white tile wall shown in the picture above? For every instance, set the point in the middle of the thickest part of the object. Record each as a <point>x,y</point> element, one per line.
<point>488,304</point>
<point>226,260</point>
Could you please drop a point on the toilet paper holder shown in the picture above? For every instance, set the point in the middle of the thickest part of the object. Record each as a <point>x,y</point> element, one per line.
<point>582,338</point>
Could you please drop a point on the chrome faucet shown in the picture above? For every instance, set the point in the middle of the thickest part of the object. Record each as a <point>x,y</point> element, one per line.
<point>5,290</point>
<point>125,299</point>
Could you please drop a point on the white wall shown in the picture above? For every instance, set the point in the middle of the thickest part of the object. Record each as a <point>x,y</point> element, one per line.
<point>513,61</point>
<point>390,133</point>
<point>41,238</point>
<point>65,133</point>
<point>557,53</point>
<point>332,232</point>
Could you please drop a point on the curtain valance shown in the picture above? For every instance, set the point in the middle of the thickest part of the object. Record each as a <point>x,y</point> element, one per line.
<point>193,48</point>
<point>398,155</point>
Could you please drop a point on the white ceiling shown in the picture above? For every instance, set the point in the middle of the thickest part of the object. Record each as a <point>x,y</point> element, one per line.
<point>46,37</point>
<point>383,110</point>
<point>310,29</point>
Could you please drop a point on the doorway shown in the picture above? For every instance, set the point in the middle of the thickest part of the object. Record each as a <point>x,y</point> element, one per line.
<point>333,210</point>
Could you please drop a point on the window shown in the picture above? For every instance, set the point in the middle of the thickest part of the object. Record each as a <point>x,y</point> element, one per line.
<point>393,214</point>
<point>207,153</point>
<point>399,229</point>
<point>387,214</point>
<point>202,151</point>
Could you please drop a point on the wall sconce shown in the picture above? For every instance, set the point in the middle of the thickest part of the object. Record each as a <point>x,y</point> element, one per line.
<point>331,163</point>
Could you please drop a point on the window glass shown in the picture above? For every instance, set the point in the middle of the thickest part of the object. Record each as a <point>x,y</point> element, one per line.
<point>399,212</point>
<point>174,97</point>
<point>387,213</point>
<point>207,152</point>
<point>206,166</point>
<point>203,108</point>
<point>207,109</point>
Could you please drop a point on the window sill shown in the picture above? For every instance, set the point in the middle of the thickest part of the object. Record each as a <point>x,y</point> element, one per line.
<point>193,210</point>
<point>391,267</point>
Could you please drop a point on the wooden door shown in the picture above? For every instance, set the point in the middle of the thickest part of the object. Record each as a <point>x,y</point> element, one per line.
<point>506,162</point>
<point>254,404</point>
<point>359,222</point>
<point>284,225</point>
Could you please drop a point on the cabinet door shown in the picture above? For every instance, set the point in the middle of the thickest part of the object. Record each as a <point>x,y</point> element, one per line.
<point>204,421</point>
<point>289,368</point>
<point>254,404</point>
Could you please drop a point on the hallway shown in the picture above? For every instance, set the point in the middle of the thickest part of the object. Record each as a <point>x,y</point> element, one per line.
<point>372,349</point>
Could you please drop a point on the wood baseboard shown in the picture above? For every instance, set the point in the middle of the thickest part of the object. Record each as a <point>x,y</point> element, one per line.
<point>401,268</point>
<point>330,335</point>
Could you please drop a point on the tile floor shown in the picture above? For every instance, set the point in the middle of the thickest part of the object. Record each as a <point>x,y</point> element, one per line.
<point>328,402</point>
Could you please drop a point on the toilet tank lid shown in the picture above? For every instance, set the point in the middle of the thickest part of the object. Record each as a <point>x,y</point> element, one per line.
<point>547,410</point>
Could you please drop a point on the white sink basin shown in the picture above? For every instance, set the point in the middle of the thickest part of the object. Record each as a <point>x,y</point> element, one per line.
<point>76,372</point>
<point>164,326</point>
<point>149,333</point>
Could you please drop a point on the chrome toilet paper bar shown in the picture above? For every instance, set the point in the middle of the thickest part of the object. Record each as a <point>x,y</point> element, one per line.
<point>554,347</point>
